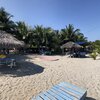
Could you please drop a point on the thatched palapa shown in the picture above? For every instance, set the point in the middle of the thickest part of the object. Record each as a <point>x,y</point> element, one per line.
<point>8,41</point>
<point>69,45</point>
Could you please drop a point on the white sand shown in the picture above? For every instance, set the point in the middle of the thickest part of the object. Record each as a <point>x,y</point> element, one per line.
<point>83,72</point>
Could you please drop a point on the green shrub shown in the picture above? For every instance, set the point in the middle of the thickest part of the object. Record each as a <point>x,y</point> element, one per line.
<point>94,54</point>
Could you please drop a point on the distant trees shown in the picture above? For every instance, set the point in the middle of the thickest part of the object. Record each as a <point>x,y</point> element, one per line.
<point>46,37</point>
<point>39,36</point>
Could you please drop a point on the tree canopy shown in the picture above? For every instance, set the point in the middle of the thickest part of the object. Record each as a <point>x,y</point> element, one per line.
<point>40,36</point>
<point>6,24</point>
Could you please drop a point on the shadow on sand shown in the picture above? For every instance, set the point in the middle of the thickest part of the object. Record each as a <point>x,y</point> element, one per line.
<point>23,68</point>
<point>89,98</point>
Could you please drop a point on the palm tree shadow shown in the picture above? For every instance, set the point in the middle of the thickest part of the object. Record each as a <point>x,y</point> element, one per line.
<point>89,98</point>
<point>23,68</point>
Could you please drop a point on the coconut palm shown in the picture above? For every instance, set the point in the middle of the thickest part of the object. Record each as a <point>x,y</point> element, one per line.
<point>69,33</point>
<point>41,35</point>
<point>45,37</point>
<point>48,34</point>
<point>23,31</point>
<point>80,37</point>
<point>38,36</point>
<point>6,24</point>
<point>53,39</point>
<point>72,34</point>
<point>56,39</point>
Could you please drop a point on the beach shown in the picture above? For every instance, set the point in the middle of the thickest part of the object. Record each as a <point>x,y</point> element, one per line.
<point>33,75</point>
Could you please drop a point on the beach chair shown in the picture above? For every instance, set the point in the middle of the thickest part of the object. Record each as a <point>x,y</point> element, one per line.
<point>8,61</point>
<point>62,91</point>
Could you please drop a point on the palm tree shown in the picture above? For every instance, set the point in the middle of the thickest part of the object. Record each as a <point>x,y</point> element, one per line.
<point>72,34</point>
<point>80,37</point>
<point>69,33</point>
<point>23,32</point>
<point>6,24</point>
<point>38,36</point>
<point>45,37</point>
<point>48,33</point>
<point>53,38</point>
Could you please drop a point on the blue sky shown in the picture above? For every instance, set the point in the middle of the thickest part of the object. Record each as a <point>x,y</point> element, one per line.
<point>83,14</point>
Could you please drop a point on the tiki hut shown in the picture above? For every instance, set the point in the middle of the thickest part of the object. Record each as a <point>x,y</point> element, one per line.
<point>69,45</point>
<point>7,41</point>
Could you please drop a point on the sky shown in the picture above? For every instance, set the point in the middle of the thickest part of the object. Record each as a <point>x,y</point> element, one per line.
<point>83,14</point>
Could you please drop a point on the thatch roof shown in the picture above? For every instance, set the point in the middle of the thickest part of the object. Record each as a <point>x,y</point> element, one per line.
<point>70,45</point>
<point>9,41</point>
